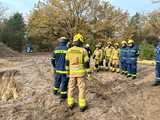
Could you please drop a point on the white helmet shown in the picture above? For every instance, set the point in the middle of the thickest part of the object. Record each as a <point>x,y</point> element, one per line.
<point>87,45</point>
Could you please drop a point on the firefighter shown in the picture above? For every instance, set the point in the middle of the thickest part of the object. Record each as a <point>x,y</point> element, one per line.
<point>97,56</point>
<point>102,58</point>
<point>58,62</point>
<point>77,61</point>
<point>157,70</point>
<point>29,48</point>
<point>123,57</point>
<point>132,55</point>
<point>87,47</point>
<point>108,53</point>
<point>115,58</point>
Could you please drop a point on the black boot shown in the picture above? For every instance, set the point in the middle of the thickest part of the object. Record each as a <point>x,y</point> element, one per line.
<point>64,96</point>
<point>83,109</point>
<point>133,77</point>
<point>71,107</point>
<point>55,92</point>
<point>129,76</point>
<point>156,84</point>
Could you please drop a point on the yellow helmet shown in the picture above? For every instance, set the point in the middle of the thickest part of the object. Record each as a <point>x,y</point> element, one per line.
<point>98,45</point>
<point>123,42</point>
<point>78,37</point>
<point>130,41</point>
<point>116,44</point>
<point>109,43</point>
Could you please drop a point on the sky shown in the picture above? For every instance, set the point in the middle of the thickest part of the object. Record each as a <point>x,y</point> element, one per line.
<point>22,6</point>
<point>132,6</point>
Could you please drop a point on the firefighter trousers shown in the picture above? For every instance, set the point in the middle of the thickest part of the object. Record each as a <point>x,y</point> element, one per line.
<point>61,83</point>
<point>80,82</point>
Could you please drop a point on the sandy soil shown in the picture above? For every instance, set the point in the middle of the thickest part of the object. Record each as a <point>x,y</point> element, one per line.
<point>111,96</point>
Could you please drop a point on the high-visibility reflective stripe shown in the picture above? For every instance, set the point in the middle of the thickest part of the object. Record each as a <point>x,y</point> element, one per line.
<point>55,88</point>
<point>51,58</point>
<point>158,78</point>
<point>67,67</point>
<point>63,93</point>
<point>82,103</point>
<point>134,75</point>
<point>132,58</point>
<point>70,101</point>
<point>60,51</point>
<point>88,70</point>
<point>61,72</point>
<point>132,50</point>
<point>77,71</point>
<point>129,74</point>
<point>117,70</point>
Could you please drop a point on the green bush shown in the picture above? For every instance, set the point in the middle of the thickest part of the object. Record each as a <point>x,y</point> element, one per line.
<point>147,51</point>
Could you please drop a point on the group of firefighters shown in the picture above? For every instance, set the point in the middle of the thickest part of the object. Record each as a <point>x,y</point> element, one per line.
<point>72,63</point>
<point>117,58</point>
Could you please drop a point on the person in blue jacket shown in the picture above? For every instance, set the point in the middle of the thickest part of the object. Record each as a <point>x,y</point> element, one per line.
<point>123,57</point>
<point>89,51</point>
<point>132,55</point>
<point>157,69</point>
<point>29,47</point>
<point>58,62</point>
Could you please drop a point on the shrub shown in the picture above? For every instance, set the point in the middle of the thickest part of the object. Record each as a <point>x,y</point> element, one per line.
<point>147,51</point>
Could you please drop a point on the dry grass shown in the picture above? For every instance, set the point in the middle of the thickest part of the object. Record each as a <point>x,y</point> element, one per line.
<point>8,87</point>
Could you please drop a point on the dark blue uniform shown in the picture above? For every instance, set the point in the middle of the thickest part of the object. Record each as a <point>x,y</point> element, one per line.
<point>29,48</point>
<point>123,59</point>
<point>89,51</point>
<point>158,64</point>
<point>58,62</point>
<point>132,55</point>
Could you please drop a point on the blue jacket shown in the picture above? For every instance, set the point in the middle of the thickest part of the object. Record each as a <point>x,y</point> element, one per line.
<point>58,60</point>
<point>158,53</point>
<point>132,53</point>
<point>123,54</point>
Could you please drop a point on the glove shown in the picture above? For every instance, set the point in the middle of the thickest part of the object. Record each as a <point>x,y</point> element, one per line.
<point>94,56</point>
<point>88,71</point>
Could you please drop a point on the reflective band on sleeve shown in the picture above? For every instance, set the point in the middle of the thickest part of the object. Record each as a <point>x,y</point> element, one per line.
<point>77,71</point>
<point>60,51</point>
<point>61,72</point>
<point>55,88</point>
<point>63,93</point>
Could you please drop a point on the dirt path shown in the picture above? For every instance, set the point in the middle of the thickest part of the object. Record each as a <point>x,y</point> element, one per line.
<point>110,95</point>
